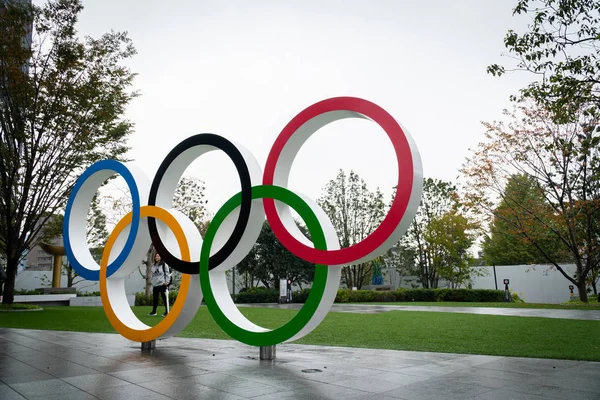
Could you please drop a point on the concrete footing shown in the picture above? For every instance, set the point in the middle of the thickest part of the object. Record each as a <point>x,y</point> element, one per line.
<point>149,345</point>
<point>267,352</point>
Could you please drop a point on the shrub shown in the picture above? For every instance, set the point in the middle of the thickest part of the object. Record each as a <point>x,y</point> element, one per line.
<point>142,300</point>
<point>258,295</point>
<point>342,296</point>
<point>26,292</point>
<point>300,296</point>
<point>87,294</point>
<point>422,295</point>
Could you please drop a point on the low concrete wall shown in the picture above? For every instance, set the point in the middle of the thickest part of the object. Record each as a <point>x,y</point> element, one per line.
<point>95,301</point>
<point>30,280</point>
<point>46,299</point>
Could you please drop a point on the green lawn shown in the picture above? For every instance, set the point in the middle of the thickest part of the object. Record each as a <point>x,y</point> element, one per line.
<point>398,330</point>
<point>590,306</point>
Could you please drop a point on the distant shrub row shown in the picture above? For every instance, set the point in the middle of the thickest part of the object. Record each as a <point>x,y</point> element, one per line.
<point>262,295</point>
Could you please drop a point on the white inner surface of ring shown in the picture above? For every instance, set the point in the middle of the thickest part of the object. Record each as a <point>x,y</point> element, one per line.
<point>218,278</point>
<point>79,211</point>
<point>290,151</point>
<point>115,284</point>
<point>168,185</point>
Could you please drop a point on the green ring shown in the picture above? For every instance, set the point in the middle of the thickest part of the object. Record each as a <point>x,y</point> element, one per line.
<point>309,308</point>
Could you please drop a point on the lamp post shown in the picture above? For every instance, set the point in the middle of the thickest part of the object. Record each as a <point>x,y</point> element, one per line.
<point>506,292</point>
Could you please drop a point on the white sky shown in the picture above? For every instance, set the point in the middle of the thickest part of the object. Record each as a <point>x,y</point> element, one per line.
<point>243,69</point>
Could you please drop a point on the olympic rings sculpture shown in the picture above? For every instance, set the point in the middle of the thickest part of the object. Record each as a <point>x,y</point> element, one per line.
<point>234,228</point>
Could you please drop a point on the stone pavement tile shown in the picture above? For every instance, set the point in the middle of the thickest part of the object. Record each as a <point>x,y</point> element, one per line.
<point>400,378</point>
<point>470,379</point>
<point>499,374</point>
<point>154,373</point>
<point>317,390</point>
<point>79,395</point>
<point>226,387</point>
<point>505,394</point>
<point>576,383</point>
<point>8,393</point>
<point>24,377</point>
<point>44,388</point>
<point>428,370</point>
<point>90,382</point>
<point>449,388</point>
<point>531,367</point>
<point>371,385</point>
<point>126,392</point>
<point>552,392</point>
<point>63,369</point>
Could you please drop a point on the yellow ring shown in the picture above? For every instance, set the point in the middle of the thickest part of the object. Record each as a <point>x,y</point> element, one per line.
<point>152,333</point>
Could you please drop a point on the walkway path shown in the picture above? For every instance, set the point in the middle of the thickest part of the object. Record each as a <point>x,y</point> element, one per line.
<point>593,315</point>
<point>54,365</point>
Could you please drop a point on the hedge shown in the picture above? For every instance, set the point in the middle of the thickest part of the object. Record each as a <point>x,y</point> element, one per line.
<point>142,300</point>
<point>258,295</point>
<point>409,295</point>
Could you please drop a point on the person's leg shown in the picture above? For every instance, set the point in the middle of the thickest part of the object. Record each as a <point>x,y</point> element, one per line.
<point>163,294</point>
<point>154,300</point>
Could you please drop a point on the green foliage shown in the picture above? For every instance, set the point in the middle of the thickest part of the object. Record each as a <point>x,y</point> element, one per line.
<point>269,261</point>
<point>561,46</point>
<point>88,294</point>
<point>300,296</point>
<point>416,295</point>
<point>436,244</point>
<point>258,295</point>
<point>355,212</point>
<point>516,228</point>
<point>26,292</point>
<point>19,306</point>
<point>142,300</point>
<point>62,100</point>
<point>342,296</point>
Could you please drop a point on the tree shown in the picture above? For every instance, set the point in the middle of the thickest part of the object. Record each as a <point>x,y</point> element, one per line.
<point>61,105</point>
<point>438,198</point>
<point>189,198</point>
<point>269,261</point>
<point>562,162</point>
<point>508,242</point>
<point>96,234</point>
<point>562,47</point>
<point>447,241</point>
<point>355,212</point>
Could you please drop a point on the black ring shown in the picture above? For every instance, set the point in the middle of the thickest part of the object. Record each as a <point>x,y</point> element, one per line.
<point>240,164</point>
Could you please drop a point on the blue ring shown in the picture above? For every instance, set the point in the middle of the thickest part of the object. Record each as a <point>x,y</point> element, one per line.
<point>121,169</point>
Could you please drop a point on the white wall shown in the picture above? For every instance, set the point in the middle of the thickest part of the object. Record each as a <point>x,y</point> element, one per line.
<point>533,283</point>
<point>30,280</point>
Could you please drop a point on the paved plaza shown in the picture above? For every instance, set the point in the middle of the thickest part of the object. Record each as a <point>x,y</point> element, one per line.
<point>37,364</point>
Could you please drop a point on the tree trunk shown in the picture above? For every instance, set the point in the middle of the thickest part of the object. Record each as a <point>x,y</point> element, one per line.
<point>149,262</point>
<point>582,288</point>
<point>70,276</point>
<point>8,292</point>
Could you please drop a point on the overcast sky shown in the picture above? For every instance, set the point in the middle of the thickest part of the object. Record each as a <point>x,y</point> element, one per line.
<point>243,69</point>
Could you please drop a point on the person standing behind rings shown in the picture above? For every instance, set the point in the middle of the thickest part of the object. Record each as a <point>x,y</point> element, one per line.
<point>161,279</point>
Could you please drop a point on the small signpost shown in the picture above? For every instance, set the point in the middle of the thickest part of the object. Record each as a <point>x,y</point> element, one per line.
<point>506,292</point>
<point>283,290</point>
<point>571,287</point>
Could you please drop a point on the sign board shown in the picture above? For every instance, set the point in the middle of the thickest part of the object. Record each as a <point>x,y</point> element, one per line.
<point>283,288</point>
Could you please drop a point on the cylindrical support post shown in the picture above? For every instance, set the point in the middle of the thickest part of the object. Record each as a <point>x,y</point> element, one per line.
<point>149,345</point>
<point>267,352</point>
<point>56,271</point>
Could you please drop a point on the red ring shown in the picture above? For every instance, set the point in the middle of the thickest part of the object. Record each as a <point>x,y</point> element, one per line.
<point>399,205</point>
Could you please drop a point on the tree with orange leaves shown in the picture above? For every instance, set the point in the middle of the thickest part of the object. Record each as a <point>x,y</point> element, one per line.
<point>561,161</point>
